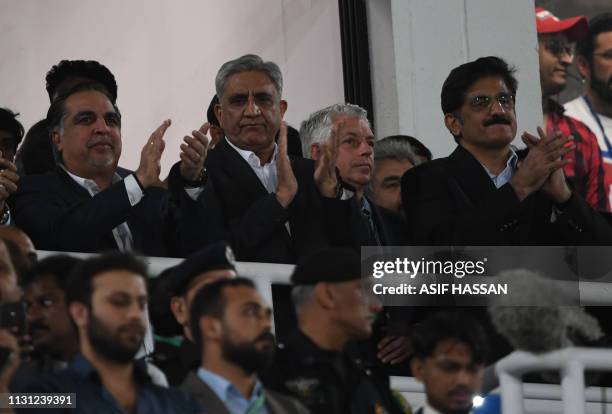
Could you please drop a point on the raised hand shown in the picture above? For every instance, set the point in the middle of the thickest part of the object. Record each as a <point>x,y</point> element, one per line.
<point>325,165</point>
<point>150,157</point>
<point>287,184</point>
<point>543,161</point>
<point>193,153</point>
<point>8,180</point>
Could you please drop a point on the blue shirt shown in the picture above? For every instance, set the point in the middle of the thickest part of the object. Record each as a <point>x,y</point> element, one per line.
<point>233,399</point>
<point>82,379</point>
<point>504,176</point>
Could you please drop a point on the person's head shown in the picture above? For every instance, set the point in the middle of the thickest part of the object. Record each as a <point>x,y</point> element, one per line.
<point>478,100</point>
<point>393,156</point>
<point>328,290</point>
<point>11,133</point>
<point>216,132</point>
<point>231,322</point>
<point>36,154</point>
<point>356,141</point>
<point>250,107</point>
<point>9,289</point>
<point>44,287</point>
<point>208,265</point>
<point>450,350</point>
<point>555,48</point>
<point>68,73</point>
<point>423,154</point>
<point>20,248</point>
<point>107,299</point>
<point>594,59</point>
<point>85,127</point>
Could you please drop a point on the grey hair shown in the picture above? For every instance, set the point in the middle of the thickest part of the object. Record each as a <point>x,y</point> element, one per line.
<point>248,63</point>
<point>317,128</point>
<point>394,149</point>
<point>300,295</point>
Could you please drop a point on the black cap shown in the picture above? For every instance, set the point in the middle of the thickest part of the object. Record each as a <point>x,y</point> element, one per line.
<point>333,265</point>
<point>213,257</point>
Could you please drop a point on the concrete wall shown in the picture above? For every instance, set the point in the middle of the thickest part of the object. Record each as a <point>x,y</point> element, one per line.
<point>165,55</point>
<point>425,40</point>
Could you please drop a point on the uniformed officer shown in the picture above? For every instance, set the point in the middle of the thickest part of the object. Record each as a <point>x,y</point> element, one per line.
<point>315,364</point>
<point>177,356</point>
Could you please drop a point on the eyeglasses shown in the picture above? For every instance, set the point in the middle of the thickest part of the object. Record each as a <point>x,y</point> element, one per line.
<point>607,55</point>
<point>559,48</point>
<point>482,102</point>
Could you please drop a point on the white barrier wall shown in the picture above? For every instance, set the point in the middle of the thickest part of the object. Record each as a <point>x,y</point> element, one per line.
<point>415,44</point>
<point>165,55</point>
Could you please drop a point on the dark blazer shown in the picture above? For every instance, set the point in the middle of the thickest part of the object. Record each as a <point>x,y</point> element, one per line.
<point>453,201</point>
<point>58,214</point>
<point>252,219</point>
<point>276,403</point>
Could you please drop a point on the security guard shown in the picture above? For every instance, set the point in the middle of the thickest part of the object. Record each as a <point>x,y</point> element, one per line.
<point>316,364</point>
<point>176,356</point>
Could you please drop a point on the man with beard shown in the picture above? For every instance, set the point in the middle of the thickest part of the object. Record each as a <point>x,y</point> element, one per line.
<point>107,299</point>
<point>231,324</point>
<point>319,363</point>
<point>450,351</point>
<point>594,62</point>
<point>555,49</point>
<point>481,194</point>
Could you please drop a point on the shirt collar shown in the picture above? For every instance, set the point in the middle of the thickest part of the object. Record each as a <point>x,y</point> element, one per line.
<point>510,164</point>
<point>84,369</point>
<point>86,182</point>
<point>223,388</point>
<point>250,157</point>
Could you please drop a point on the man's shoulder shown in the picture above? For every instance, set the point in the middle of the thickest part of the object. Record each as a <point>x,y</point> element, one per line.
<point>283,403</point>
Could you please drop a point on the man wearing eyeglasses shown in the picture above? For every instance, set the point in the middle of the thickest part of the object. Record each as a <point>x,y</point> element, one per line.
<point>594,108</point>
<point>556,52</point>
<point>481,194</point>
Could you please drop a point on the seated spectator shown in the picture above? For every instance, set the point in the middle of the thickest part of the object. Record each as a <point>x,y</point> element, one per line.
<point>393,156</point>
<point>231,324</point>
<point>450,350</point>
<point>584,170</point>
<point>11,133</point>
<point>179,356</point>
<point>314,364</point>
<point>35,155</point>
<point>268,205</point>
<point>346,128</point>
<point>106,299</point>
<point>90,204</point>
<point>480,194</point>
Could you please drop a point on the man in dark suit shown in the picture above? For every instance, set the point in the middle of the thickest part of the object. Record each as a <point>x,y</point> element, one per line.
<point>88,203</point>
<point>481,193</point>
<point>231,324</point>
<point>345,130</point>
<point>269,205</point>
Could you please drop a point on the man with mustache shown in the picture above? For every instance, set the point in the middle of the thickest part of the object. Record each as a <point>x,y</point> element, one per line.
<point>318,363</point>
<point>450,350</point>
<point>555,49</point>
<point>481,194</point>
<point>107,300</point>
<point>594,62</point>
<point>347,128</point>
<point>89,203</point>
<point>231,324</point>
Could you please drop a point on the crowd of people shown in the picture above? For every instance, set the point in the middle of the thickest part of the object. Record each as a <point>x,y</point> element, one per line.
<point>249,187</point>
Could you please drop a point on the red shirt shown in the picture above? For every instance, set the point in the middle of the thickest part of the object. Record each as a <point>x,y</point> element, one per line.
<point>585,171</point>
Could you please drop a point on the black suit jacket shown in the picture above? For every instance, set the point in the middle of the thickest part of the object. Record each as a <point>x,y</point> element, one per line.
<point>58,214</point>
<point>453,201</point>
<point>252,219</point>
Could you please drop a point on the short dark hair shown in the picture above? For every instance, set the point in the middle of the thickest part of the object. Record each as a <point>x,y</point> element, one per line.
<point>36,154</point>
<point>59,266</point>
<point>462,77</point>
<point>453,325</point>
<point>9,122</point>
<point>209,301</point>
<point>80,282</point>
<point>87,69</point>
<point>57,110</point>
<point>211,117</point>
<point>416,146</point>
<point>601,23</point>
